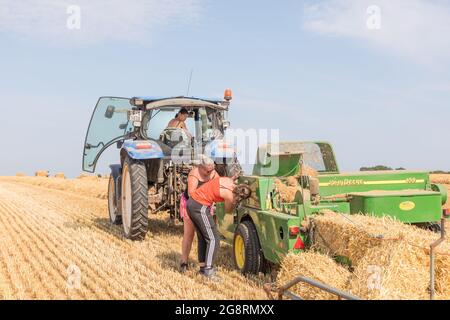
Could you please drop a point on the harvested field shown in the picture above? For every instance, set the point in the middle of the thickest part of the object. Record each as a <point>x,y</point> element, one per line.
<point>57,231</point>
<point>90,186</point>
<point>57,243</point>
<point>440,178</point>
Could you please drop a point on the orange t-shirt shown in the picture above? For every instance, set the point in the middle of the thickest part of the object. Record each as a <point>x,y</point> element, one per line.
<point>208,193</point>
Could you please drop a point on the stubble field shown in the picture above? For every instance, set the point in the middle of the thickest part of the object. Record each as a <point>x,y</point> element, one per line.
<point>57,243</point>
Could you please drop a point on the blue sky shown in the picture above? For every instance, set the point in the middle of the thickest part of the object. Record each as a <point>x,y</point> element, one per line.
<point>309,68</point>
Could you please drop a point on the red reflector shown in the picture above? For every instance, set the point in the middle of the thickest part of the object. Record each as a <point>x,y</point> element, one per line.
<point>143,146</point>
<point>446,212</point>
<point>294,230</point>
<point>299,245</point>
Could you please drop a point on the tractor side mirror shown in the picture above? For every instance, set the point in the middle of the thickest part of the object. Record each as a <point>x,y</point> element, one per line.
<point>123,126</point>
<point>110,112</point>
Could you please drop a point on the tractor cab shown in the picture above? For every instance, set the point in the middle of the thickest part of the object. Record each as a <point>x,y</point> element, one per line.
<point>155,155</point>
<point>145,119</point>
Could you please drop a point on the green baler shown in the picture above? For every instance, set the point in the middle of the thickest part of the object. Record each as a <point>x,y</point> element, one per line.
<point>264,228</point>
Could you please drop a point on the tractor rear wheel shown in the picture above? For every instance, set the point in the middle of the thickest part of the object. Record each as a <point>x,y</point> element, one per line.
<point>247,254</point>
<point>134,199</point>
<point>114,214</point>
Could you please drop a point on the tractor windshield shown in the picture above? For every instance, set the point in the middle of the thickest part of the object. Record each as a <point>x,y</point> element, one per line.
<point>156,121</point>
<point>205,128</point>
<point>109,123</point>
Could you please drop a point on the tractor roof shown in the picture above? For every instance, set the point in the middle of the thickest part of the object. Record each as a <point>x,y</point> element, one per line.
<point>180,101</point>
<point>149,99</point>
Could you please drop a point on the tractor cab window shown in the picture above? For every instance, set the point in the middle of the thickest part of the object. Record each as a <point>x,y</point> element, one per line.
<point>155,122</point>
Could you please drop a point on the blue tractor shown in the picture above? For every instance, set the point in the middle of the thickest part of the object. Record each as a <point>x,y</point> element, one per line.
<point>155,159</point>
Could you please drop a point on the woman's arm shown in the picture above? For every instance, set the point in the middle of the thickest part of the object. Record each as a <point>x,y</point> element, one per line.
<point>192,183</point>
<point>226,192</point>
<point>229,203</point>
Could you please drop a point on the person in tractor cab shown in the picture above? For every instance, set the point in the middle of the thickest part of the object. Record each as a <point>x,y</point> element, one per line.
<point>219,189</point>
<point>179,122</point>
<point>198,176</point>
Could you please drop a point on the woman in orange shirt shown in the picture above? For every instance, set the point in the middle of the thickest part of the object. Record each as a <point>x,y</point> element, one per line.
<point>220,189</point>
<point>198,176</point>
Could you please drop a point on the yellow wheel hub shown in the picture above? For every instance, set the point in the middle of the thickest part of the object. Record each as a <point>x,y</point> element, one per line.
<point>239,251</point>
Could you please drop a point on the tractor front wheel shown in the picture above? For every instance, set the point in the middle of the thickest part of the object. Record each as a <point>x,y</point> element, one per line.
<point>248,257</point>
<point>114,214</point>
<point>134,199</point>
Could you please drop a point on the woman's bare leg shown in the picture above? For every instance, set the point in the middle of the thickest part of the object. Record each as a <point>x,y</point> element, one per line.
<point>188,237</point>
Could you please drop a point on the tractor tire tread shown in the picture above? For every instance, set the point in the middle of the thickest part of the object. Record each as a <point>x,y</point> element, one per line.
<point>139,189</point>
<point>118,218</point>
<point>253,255</point>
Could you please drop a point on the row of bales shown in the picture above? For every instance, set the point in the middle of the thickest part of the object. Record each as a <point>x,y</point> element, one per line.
<point>59,175</point>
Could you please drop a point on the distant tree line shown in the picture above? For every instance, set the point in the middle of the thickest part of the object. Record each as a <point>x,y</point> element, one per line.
<point>379,168</point>
<point>386,168</point>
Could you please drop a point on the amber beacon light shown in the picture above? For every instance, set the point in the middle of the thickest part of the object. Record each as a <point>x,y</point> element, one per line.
<point>228,95</point>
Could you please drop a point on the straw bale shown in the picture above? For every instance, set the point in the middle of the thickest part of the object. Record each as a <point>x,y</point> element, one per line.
<point>42,173</point>
<point>395,271</point>
<point>316,266</point>
<point>292,182</point>
<point>287,193</point>
<point>87,177</point>
<point>400,250</point>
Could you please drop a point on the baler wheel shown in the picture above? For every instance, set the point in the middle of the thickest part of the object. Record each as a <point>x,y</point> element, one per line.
<point>113,209</point>
<point>134,199</point>
<point>247,254</point>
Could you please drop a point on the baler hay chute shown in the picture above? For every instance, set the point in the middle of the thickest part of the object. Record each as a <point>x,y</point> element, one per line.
<point>295,182</point>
